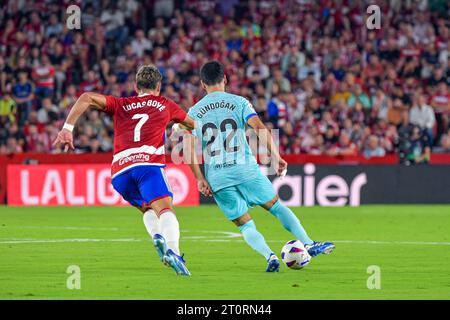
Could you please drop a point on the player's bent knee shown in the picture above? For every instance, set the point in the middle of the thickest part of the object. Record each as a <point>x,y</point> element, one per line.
<point>246,226</point>
<point>269,205</point>
<point>246,217</point>
<point>162,211</point>
<point>162,205</point>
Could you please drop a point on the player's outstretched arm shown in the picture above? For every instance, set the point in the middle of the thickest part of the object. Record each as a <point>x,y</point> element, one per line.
<point>86,100</point>
<point>266,139</point>
<point>187,124</point>
<point>191,158</point>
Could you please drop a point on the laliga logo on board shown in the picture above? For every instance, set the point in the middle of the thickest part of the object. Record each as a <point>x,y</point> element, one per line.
<point>85,184</point>
<point>331,190</point>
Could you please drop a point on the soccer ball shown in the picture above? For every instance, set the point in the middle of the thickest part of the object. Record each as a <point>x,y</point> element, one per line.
<point>295,255</point>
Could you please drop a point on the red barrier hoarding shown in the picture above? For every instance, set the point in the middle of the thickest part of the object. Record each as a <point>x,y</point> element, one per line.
<point>84,185</point>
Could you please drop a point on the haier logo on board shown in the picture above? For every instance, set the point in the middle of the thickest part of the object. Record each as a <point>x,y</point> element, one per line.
<point>331,190</point>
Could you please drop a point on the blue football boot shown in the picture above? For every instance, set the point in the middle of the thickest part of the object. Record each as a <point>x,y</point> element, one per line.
<point>274,264</point>
<point>160,245</point>
<point>176,262</point>
<point>320,247</point>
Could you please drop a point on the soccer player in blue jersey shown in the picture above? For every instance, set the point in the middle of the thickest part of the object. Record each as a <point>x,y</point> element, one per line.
<point>233,176</point>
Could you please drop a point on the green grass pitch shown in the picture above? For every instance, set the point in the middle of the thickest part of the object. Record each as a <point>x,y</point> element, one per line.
<point>410,244</point>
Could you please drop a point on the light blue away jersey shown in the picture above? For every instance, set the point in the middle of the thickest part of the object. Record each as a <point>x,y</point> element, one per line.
<point>220,126</point>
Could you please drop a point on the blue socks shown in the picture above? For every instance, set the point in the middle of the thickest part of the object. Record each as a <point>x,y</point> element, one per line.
<point>255,239</point>
<point>290,222</point>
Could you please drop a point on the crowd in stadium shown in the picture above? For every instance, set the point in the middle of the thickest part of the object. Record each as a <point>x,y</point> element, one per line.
<point>311,69</point>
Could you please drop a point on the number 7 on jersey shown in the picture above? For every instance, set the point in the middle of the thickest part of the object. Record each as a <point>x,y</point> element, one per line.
<point>137,130</point>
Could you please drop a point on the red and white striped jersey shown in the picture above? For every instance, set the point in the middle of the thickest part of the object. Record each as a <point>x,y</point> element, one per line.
<point>139,129</point>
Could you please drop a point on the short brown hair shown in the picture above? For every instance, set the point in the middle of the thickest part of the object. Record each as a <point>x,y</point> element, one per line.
<point>148,77</point>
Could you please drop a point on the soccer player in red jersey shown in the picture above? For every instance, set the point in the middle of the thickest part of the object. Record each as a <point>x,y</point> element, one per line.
<point>138,164</point>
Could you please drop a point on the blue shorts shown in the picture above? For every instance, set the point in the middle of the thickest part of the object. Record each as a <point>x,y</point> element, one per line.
<point>234,201</point>
<point>142,185</point>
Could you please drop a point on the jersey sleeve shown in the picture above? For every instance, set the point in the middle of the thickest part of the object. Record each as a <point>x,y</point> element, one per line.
<point>176,113</point>
<point>112,103</point>
<point>247,110</point>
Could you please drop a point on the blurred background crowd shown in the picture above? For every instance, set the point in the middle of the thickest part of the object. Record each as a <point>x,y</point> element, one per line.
<point>311,68</point>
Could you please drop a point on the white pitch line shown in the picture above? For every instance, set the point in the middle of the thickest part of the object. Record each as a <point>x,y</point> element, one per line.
<point>430,243</point>
<point>66,240</point>
<point>226,234</point>
<point>425,243</point>
<point>419,243</point>
<point>207,239</point>
<point>63,228</point>
<point>28,241</point>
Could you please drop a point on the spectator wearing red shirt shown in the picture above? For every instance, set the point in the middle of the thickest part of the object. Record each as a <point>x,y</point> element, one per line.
<point>440,102</point>
<point>344,147</point>
<point>91,83</point>
<point>8,34</point>
<point>43,75</point>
